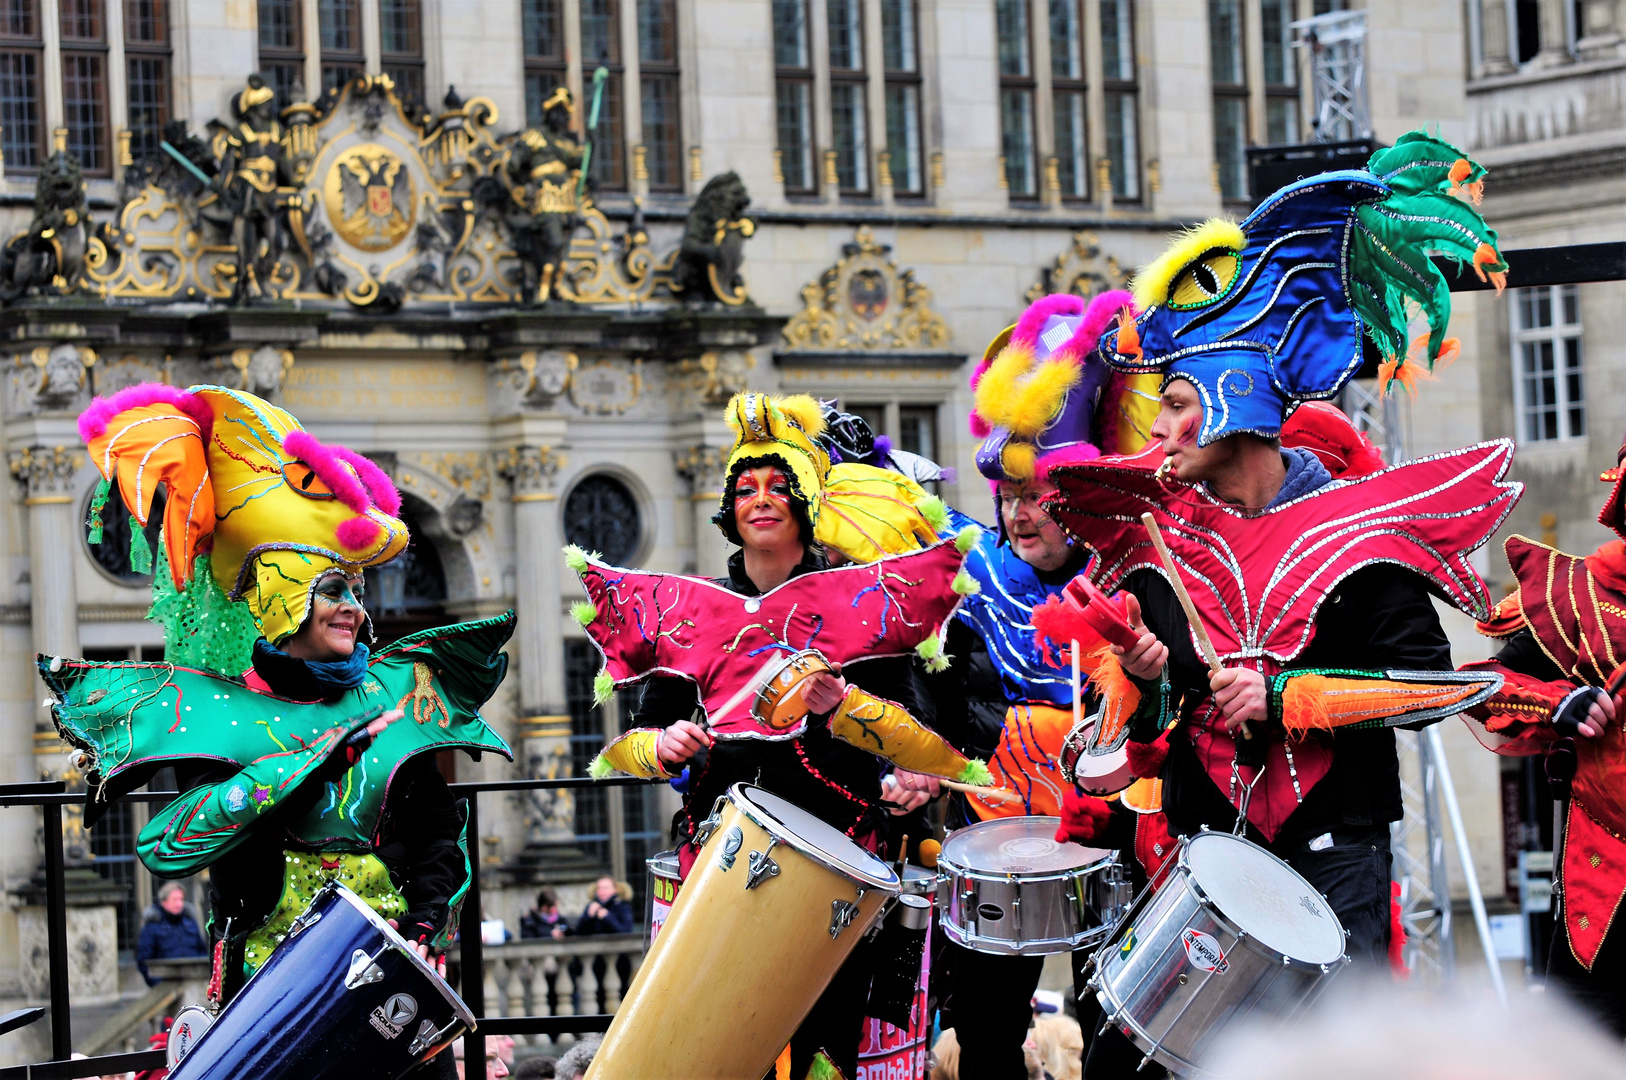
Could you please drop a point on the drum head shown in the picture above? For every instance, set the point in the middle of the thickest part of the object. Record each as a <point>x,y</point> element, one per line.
<point>1016,845</point>
<point>812,837</point>
<point>1263,896</point>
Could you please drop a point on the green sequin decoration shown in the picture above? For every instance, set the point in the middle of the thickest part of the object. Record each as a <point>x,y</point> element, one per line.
<point>203,627</point>
<point>304,874</point>
<point>98,503</point>
<point>140,553</point>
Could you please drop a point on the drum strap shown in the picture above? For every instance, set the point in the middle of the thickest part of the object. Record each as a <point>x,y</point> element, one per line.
<point>1247,795</point>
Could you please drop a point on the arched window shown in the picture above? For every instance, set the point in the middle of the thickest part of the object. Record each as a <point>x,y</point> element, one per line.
<point>112,555</point>
<point>601,515</point>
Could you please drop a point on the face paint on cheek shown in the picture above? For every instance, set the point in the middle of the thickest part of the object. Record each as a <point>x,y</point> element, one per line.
<point>1188,431</point>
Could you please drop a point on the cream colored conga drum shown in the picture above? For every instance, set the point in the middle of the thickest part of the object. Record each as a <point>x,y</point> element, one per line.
<point>775,902</point>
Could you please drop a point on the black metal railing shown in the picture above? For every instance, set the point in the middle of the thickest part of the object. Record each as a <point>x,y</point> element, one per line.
<point>52,796</point>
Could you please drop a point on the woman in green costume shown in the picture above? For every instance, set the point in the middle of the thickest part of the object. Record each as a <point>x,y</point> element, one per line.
<point>302,757</point>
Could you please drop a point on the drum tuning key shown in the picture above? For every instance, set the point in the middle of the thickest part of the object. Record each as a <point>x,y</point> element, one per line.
<point>762,865</point>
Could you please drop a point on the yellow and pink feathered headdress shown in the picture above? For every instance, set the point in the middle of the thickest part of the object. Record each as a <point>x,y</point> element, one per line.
<point>272,506</point>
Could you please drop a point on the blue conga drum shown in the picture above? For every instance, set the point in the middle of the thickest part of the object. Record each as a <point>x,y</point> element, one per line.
<point>344,997</point>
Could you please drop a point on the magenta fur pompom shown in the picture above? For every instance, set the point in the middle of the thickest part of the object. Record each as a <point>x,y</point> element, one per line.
<point>94,420</point>
<point>358,533</point>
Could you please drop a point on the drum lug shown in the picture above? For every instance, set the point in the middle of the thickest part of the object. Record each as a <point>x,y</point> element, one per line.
<point>304,922</point>
<point>762,865</point>
<point>842,914</point>
<point>363,971</point>
<point>427,1036</point>
<point>703,831</point>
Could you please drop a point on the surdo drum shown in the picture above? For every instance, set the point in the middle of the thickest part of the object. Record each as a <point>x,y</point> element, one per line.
<point>1009,887</point>
<point>344,997</point>
<point>774,904</point>
<point>1227,930</point>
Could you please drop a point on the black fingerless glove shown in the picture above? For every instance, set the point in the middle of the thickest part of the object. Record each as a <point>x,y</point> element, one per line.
<point>1571,712</point>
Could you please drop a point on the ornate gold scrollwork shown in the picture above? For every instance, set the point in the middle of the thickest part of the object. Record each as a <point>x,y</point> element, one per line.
<point>865,302</point>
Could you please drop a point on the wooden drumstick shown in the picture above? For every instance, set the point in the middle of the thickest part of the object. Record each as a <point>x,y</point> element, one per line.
<point>1197,628</point>
<point>1000,794</point>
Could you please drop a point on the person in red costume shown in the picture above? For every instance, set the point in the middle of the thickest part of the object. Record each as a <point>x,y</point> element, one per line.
<point>1564,643</point>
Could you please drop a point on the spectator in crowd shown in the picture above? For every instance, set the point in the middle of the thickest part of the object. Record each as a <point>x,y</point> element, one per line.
<point>169,930</point>
<point>536,1068</point>
<point>608,912</point>
<point>573,1065</point>
<point>545,920</point>
<point>495,1069</point>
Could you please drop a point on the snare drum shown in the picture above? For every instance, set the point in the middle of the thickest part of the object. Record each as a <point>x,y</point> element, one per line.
<point>343,997</point>
<point>1094,774</point>
<point>775,902</point>
<point>1229,932</point>
<point>779,703</point>
<point>1009,887</point>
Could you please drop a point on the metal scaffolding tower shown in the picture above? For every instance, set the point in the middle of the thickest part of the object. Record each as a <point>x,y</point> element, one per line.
<point>1337,46</point>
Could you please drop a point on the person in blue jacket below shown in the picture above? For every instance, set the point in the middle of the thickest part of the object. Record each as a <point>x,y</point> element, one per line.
<point>169,931</point>
<point>607,913</point>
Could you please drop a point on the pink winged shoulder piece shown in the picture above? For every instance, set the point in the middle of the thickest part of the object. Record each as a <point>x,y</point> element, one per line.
<point>651,623</point>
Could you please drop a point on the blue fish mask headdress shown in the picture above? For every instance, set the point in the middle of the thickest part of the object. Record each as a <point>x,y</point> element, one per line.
<point>1264,315</point>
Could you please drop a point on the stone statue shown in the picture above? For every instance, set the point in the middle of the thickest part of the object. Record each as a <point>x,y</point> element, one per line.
<point>708,264</point>
<point>543,169</point>
<point>255,179</point>
<point>50,256</point>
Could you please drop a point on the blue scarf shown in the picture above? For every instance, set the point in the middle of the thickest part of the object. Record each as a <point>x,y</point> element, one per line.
<point>1305,474</point>
<point>309,680</point>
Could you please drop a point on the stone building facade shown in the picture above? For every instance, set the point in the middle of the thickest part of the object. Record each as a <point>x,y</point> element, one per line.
<point>917,170</point>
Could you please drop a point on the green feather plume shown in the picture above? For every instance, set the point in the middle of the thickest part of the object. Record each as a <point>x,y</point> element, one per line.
<point>965,584</point>
<point>823,1068</point>
<point>976,774</point>
<point>603,687</point>
<point>935,512</point>
<point>575,558</point>
<point>931,651</point>
<point>967,538</point>
<point>600,768</point>
<point>583,612</point>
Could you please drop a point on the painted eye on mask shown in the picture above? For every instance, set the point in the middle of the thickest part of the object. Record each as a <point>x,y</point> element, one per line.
<point>303,479</point>
<point>1205,279</point>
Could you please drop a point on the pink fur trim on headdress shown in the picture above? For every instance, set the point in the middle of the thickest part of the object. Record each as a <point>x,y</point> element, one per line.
<point>1033,319</point>
<point>358,533</point>
<point>329,465</point>
<point>94,420</point>
<point>1097,317</point>
<point>385,497</point>
<point>1076,454</point>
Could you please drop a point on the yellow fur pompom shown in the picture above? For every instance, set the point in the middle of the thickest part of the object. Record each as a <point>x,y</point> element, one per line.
<point>1020,397</point>
<point>1151,285</point>
<point>1019,460</point>
<point>804,412</point>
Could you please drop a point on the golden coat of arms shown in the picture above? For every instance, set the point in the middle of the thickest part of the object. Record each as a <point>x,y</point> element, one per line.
<point>370,197</point>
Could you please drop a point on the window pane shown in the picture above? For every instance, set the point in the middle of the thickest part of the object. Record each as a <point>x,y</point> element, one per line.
<point>898,35</point>
<point>1281,69</point>
<point>1574,388</point>
<point>1066,40</point>
<point>84,109</point>
<point>1225,41</point>
<point>903,137</point>
<point>1117,40</point>
<point>601,36</point>
<point>81,20</point>
<point>149,101</point>
<point>145,22</point>
<point>790,33</point>
<point>1016,123</point>
<point>19,18</point>
<point>279,24</point>
<point>543,28</point>
<point>408,80</point>
<point>850,135</point>
<point>335,76</point>
<point>288,80</point>
<point>917,430</point>
<point>608,166</point>
<point>1070,146</point>
<point>1230,136</point>
<point>539,86</point>
<point>1570,299</point>
<point>660,111</point>
<point>20,109</point>
<point>1281,121</point>
<point>1011,19</point>
<point>339,25</point>
<point>398,26</point>
<point>657,31</point>
<point>795,113</point>
<point>1123,146</point>
<point>846,34</point>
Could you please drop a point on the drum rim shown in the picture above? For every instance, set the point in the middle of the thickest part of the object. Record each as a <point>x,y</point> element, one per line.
<point>1116,1016</point>
<point>1011,947</point>
<point>945,861</point>
<point>738,795</point>
<point>1244,936</point>
<point>345,893</point>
